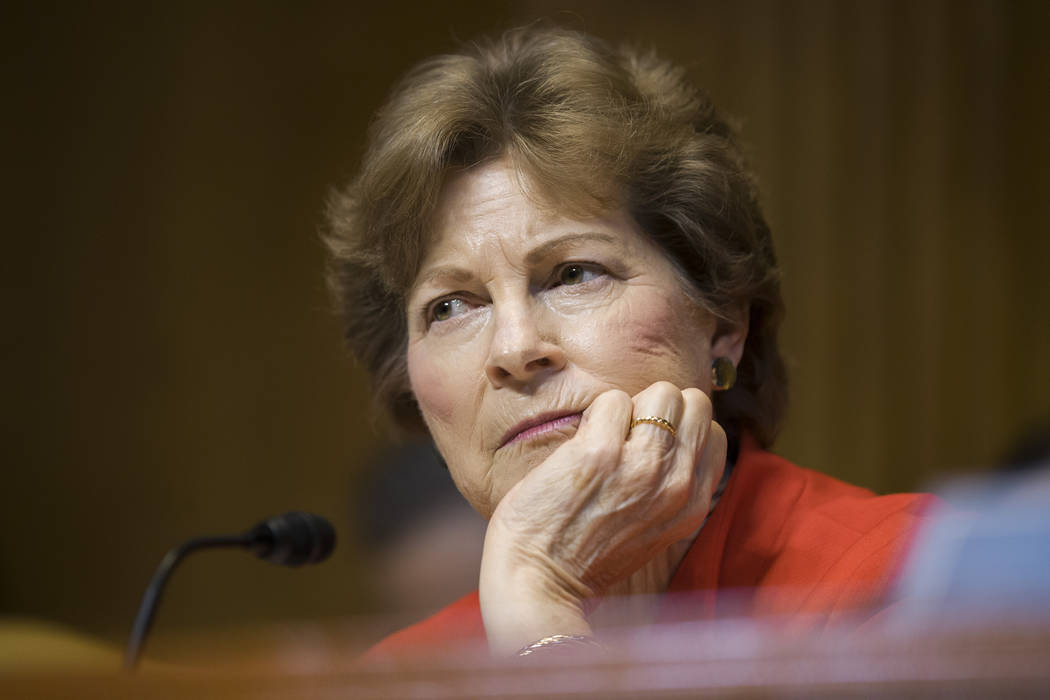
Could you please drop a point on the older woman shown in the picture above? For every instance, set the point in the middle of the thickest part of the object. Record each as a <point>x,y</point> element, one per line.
<point>553,260</point>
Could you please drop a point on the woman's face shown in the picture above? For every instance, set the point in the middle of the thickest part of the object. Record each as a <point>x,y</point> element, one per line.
<point>520,317</point>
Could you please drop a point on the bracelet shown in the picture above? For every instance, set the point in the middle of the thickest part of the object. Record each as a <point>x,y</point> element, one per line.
<point>577,640</point>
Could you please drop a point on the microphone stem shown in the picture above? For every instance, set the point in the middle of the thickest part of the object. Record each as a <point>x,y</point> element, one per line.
<point>151,598</point>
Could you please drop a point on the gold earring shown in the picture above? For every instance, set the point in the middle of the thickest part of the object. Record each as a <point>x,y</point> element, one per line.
<point>723,373</point>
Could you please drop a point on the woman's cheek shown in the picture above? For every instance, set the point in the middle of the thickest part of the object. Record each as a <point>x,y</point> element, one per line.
<point>432,386</point>
<point>645,341</point>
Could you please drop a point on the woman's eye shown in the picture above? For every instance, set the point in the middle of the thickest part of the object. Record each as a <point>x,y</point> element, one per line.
<point>577,273</point>
<point>447,308</point>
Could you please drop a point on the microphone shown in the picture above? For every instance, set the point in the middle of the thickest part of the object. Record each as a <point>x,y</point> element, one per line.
<point>291,539</point>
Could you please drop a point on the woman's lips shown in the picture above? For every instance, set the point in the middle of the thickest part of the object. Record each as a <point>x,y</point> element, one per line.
<point>540,425</point>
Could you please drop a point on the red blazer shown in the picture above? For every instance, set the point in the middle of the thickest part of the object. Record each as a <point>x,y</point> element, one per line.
<point>783,541</point>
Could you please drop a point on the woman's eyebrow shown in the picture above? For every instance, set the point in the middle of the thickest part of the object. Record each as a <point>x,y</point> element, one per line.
<point>449,273</point>
<point>543,250</point>
<point>458,275</point>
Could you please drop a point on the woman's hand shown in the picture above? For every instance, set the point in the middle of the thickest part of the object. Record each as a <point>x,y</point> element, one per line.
<point>602,505</point>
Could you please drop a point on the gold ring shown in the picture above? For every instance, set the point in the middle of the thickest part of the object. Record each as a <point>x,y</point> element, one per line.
<point>661,423</point>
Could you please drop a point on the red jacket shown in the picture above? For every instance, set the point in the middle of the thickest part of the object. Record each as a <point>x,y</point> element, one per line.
<point>782,541</point>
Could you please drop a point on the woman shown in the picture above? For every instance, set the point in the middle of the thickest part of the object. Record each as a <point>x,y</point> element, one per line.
<point>554,261</point>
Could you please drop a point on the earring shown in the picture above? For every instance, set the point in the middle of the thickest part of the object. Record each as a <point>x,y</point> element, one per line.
<point>723,373</point>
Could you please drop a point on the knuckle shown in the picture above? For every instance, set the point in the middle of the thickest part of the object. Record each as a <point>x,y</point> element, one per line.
<point>611,398</point>
<point>695,395</point>
<point>717,437</point>
<point>702,400</point>
<point>656,389</point>
<point>663,388</point>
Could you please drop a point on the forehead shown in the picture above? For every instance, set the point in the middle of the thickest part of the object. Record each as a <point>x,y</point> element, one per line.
<point>489,200</point>
<point>495,205</point>
<point>489,181</point>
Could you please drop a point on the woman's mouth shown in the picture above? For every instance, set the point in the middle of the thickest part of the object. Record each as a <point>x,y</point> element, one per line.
<point>540,425</point>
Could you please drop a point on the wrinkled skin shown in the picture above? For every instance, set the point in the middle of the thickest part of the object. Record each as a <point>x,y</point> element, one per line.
<point>534,339</point>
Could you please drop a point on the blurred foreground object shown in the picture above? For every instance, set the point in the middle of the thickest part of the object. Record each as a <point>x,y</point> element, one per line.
<point>985,557</point>
<point>971,619</point>
<point>723,659</point>
<point>421,541</point>
<point>31,646</point>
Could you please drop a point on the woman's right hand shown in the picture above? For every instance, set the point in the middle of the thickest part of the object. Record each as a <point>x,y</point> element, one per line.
<point>603,505</point>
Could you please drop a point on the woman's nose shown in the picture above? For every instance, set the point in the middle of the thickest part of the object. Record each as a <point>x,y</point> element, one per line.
<point>520,353</point>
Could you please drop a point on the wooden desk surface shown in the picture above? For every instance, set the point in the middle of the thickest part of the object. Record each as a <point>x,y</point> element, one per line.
<point>737,661</point>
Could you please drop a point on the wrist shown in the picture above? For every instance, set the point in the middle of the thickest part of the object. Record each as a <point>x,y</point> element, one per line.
<point>579,646</point>
<point>525,599</point>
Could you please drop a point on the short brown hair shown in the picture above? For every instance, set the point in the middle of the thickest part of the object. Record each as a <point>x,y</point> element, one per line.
<point>594,129</point>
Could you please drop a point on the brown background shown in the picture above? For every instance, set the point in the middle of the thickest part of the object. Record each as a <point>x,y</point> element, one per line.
<point>171,365</point>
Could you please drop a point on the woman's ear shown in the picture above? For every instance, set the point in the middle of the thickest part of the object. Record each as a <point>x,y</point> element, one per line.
<point>731,335</point>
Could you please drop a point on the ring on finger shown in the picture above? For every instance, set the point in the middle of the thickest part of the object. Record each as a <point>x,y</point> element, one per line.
<point>659,422</point>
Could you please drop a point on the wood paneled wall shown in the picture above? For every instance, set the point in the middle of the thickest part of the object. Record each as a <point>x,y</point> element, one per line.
<point>171,364</point>
<point>902,153</point>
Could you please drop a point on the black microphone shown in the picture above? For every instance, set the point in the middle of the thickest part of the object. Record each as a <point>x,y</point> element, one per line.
<point>292,539</point>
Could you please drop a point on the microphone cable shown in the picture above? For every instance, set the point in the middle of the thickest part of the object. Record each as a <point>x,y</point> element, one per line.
<point>291,539</point>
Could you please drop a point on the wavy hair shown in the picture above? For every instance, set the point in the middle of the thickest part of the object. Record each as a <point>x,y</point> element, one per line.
<point>592,128</point>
